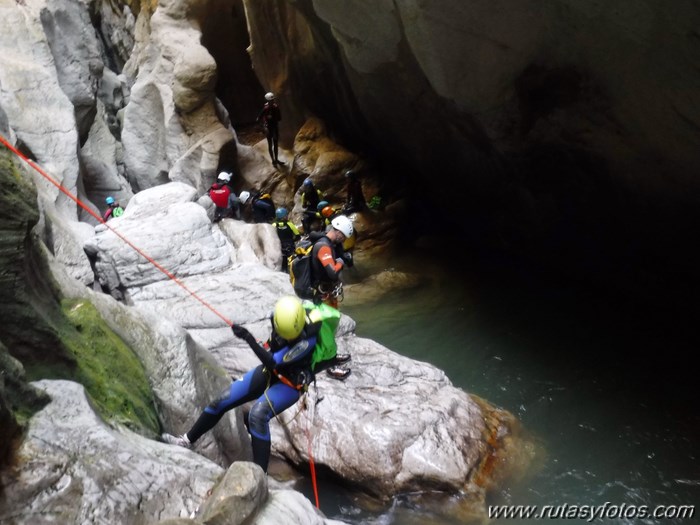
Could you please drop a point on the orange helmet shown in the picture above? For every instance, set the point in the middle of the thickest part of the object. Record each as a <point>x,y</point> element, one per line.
<point>327,212</point>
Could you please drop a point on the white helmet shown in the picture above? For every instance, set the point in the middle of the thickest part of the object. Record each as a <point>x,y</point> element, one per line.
<point>343,225</point>
<point>244,196</point>
<point>224,176</point>
<point>269,96</point>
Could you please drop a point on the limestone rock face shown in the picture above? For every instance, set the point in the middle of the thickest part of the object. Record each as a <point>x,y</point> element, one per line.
<point>74,46</point>
<point>76,469</point>
<point>15,395</point>
<point>172,126</point>
<point>31,95</point>
<point>241,491</point>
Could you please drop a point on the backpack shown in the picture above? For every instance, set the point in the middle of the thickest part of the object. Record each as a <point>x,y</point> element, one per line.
<point>326,347</point>
<point>299,265</point>
<point>118,211</point>
<point>219,195</point>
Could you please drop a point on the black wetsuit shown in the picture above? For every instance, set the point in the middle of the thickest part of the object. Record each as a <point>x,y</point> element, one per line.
<point>270,116</point>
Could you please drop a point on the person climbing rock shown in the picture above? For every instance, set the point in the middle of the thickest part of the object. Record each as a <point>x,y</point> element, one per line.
<point>275,385</point>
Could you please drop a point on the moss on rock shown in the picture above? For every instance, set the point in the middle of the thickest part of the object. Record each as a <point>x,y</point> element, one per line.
<point>112,374</point>
<point>54,338</point>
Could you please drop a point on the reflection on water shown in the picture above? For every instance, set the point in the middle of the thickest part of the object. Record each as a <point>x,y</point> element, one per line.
<point>601,383</point>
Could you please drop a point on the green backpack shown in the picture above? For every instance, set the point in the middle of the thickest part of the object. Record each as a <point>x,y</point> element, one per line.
<point>326,347</point>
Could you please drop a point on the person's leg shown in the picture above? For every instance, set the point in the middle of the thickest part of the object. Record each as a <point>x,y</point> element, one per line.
<point>258,212</point>
<point>287,250</point>
<point>275,143</point>
<point>234,206</point>
<point>269,146</point>
<point>241,391</point>
<point>305,222</point>
<point>278,398</point>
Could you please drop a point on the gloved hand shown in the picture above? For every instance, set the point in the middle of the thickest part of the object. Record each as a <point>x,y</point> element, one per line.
<point>347,258</point>
<point>240,331</point>
<point>340,261</point>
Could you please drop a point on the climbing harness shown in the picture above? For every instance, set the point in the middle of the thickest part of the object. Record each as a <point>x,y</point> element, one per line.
<point>334,293</point>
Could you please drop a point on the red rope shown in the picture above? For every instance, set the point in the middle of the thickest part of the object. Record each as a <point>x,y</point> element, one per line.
<point>312,466</point>
<point>101,220</point>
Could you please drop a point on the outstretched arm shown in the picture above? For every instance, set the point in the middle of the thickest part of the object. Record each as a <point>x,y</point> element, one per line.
<point>264,356</point>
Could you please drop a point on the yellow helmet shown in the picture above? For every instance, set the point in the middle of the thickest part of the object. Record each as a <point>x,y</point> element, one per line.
<point>289,317</point>
<point>349,242</point>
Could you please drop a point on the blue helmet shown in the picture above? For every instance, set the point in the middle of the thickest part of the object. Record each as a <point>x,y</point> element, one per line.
<point>322,205</point>
<point>308,181</point>
<point>281,213</point>
<point>109,200</point>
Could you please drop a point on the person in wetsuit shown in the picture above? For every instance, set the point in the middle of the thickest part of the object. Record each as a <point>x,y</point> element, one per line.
<point>270,115</point>
<point>287,233</point>
<point>275,385</point>
<point>310,198</point>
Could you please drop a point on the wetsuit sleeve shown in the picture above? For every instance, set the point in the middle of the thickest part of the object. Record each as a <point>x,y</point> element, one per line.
<point>329,264</point>
<point>314,327</point>
<point>264,356</point>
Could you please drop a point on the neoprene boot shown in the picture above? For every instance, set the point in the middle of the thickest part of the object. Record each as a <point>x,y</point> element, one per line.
<point>204,424</point>
<point>261,452</point>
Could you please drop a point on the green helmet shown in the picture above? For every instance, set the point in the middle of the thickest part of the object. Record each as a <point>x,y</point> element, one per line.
<point>289,317</point>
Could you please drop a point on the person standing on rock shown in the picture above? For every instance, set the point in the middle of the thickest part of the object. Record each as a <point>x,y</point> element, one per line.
<point>327,262</point>
<point>270,116</point>
<point>274,386</point>
<point>355,199</point>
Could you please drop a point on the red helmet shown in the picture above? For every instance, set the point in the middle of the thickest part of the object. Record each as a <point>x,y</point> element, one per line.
<point>327,212</point>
